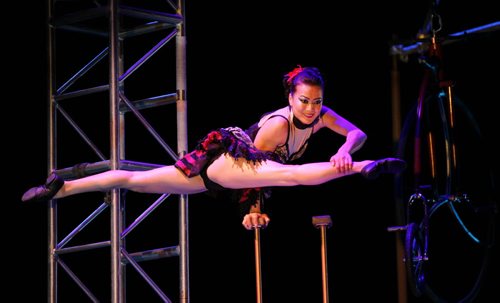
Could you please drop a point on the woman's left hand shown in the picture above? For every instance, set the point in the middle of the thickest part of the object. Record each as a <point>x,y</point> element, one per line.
<point>342,161</point>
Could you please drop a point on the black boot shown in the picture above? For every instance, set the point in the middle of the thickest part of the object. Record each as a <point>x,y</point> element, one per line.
<point>383,166</point>
<point>44,192</point>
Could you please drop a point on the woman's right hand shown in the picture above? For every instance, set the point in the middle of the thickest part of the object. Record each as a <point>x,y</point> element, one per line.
<point>253,220</point>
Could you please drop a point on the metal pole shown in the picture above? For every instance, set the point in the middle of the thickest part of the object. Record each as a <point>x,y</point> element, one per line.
<point>258,273</point>
<point>116,243</point>
<point>181,105</point>
<point>396,132</point>
<point>324,265</point>
<point>121,155</point>
<point>323,222</point>
<point>52,156</point>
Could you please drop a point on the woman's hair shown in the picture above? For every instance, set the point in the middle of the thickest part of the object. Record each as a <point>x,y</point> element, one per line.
<point>305,75</point>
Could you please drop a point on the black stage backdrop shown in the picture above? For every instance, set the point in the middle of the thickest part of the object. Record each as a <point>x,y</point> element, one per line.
<point>237,53</point>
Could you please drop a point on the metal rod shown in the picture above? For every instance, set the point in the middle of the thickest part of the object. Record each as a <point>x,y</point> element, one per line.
<point>479,29</point>
<point>81,133</point>
<point>83,247</point>
<point>82,92</point>
<point>83,15</point>
<point>82,225</point>
<point>79,282</point>
<point>150,27</point>
<point>121,155</point>
<point>146,277</point>
<point>148,55</point>
<point>324,265</point>
<point>421,46</point>
<point>181,106</point>
<point>83,70</point>
<point>144,215</point>
<point>51,156</point>
<point>116,244</point>
<point>258,271</point>
<point>151,102</point>
<point>84,30</point>
<point>149,128</point>
<point>154,254</point>
<point>172,4</point>
<point>150,15</point>
<point>396,133</point>
<point>323,222</point>
<point>184,249</point>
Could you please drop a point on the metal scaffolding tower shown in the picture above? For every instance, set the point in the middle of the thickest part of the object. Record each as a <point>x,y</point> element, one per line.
<point>92,70</point>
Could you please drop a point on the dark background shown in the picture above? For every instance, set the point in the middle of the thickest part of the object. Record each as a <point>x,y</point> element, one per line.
<point>237,55</point>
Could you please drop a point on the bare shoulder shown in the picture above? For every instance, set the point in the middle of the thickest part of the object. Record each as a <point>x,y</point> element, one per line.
<point>335,122</point>
<point>328,113</point>
<point>272,133</point>
<point>328,117</point>
<point>276,123</point>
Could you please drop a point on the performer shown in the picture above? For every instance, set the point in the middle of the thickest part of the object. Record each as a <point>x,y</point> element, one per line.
<point>247,162</point>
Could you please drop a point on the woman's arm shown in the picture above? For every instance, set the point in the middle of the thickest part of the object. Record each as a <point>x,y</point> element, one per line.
<point>355,138</point>
<point>271,135</point>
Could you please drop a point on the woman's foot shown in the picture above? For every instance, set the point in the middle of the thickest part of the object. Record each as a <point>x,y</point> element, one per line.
<point>383,166</point>
<point>44,192</point>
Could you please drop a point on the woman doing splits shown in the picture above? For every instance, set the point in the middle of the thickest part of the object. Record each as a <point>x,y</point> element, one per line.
<point>248,162</point>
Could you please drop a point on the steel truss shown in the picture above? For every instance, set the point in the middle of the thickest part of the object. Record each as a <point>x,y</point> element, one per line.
<point>113,23</point>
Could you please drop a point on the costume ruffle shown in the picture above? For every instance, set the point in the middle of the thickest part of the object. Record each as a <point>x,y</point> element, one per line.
<point>235,142</point>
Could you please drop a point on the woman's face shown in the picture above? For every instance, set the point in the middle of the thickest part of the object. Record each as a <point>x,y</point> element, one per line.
<point>306,102</point>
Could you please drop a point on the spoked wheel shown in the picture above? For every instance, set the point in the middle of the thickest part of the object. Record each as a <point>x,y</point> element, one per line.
<point>442,142</point>
<point>461,225</point>
<point>414,259</point>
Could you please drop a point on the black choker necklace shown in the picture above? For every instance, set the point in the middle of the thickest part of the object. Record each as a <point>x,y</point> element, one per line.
<point>298,124</point>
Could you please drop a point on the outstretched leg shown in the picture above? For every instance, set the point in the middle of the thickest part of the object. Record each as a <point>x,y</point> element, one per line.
<point>240,173</point>
<point>167,179</point>
<point>225,171</point>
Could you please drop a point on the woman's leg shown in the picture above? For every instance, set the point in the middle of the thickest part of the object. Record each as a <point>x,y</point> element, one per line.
<point>240,173</point>
<point>167,179</point>
<point>225,171</point>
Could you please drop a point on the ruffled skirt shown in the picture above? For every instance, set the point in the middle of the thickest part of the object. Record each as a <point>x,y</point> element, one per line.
<point>235,142</point>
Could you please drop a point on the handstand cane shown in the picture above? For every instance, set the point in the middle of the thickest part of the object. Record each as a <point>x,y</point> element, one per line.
<point>322,222</point>
<point>258,272</point>
<point>257,263</point>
